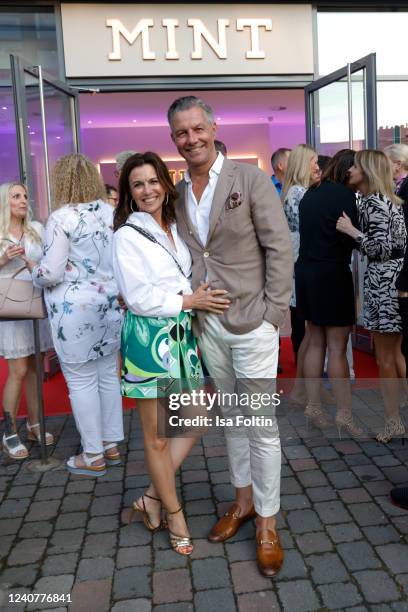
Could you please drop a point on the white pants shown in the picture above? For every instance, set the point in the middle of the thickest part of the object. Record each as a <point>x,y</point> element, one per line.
<point>96,402</point>
<point>255,453</point>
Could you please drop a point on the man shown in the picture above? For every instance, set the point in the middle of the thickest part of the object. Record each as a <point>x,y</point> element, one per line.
<point>120,161</point>
<point>232,220</point>
<point>279,162</point>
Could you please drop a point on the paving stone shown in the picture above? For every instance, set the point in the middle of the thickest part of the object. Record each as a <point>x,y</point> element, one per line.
<point>343,480</point>
<point>55,565</point>
<point>290,486</point>
<point>247,531</point>
<point>377,586</point>
<point>19,576</point>
<point>354,496</point>
<point>301,465</point>
<point>12,508</point>
<point>6,543</point>
<point>340,596</point>
<point>318,494</point>
<point>220,477</point>
<point>100,545</point>
<point>196,491</point>
<point>195,476</point>
<point>27,551</point>
<point>200,526</point>
<point>327,568</point>
<point>241,551</point>
<point>95,569</point>
<point>357,459</point>
<point>298,595</point>
<point>381,534</point>
<point>317,542</point>
<point>324,453</point>
<point>204,549</point>
<point>332,512</point>
<point>21,492</point>
<point>397,475</point>
<point>43,510</point>
<point>347,532</point>
<point>395,557</point>
<point>10,526</point>
<point>47,493</point>
<point>302,521</point>
<point>71,520</point>
<point>106,505</point>
<point>55,478</point>
<point>50,585</point>
<point>69,540</point>
<point>293,567</point>
<point>347,447</point>
<point>133,605</point>
<point>210,573</point>
<point>247,578</point>
<point>76,502</point>
<point>130,557</point>
<point>378,487</point>
<point>386,461</point>
<point>312,478</point>
<point>296,452</point>
<point>91,595</point>
<point>128,583</point>
<point>368,473</point>
<point>368,514</point>
<point>180,606</point>
<point>168,560</point>
<point>333,466</point>
<point>201,506</point>
<point>103,489</point>
<point>390,509</point>
<point>294,502</point>
<point>81,486</point>
<point>198,463</point>
<point>134,534</point>
<point>101,524</point>
<point>172,585</point>
<point>260,601</point>
<point>358,556</point>
<point>215,599</point>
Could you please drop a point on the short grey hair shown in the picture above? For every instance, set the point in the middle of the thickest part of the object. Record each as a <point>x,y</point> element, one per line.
<point>278,155</point>
<point>398,152</point>
<point>187,102</point>
<point>122,157</point>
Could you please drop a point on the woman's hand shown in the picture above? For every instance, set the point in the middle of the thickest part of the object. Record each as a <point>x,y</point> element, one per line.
<point>204,298</point>
<point>345,226</point>
<point>11,253</point>
<point>28,262</point>
<point>122,302</point>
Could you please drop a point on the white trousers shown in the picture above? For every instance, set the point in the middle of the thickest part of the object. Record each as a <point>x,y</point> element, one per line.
<point>254,453</point>
<point>96,402</point>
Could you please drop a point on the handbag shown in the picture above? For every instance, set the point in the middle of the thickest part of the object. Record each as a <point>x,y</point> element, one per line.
<point>19,299</point>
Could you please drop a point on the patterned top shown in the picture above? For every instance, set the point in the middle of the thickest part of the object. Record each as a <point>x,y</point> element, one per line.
<point>291,208</point>
<point>383,226</point>
<point>80,291</point>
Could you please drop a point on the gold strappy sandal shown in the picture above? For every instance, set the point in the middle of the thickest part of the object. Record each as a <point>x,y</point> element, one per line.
<point>178,543</point>
<point>146,518</point>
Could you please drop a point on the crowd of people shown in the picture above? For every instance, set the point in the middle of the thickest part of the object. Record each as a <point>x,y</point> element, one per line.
<point>178,279</point>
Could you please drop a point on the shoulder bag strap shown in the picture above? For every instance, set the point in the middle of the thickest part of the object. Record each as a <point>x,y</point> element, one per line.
<point>150,237</point>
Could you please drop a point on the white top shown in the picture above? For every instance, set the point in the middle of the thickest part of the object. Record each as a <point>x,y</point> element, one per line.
<point>148,278</point>
<point>33,251</point>
<point>200,211</point>
<point>80,291</point>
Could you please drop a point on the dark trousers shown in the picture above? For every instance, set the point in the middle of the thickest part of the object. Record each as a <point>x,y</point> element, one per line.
<point>403,308</point>
<point>298,329</point>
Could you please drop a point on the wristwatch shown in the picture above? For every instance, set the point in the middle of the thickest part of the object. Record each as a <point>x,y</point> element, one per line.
<point>359,238</point>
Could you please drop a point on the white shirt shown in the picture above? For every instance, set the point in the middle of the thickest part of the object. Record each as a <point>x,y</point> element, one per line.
<point>149,279</point>
<point>200,212</point>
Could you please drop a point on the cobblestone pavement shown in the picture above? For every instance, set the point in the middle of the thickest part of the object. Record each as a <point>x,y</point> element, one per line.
<point>346,545</point>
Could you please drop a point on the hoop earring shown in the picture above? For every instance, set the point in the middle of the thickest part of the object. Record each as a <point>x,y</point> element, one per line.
<point>131,206</point>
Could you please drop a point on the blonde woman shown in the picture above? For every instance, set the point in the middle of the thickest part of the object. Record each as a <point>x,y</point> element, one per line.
<point>20,237</point>
<point>81,297</point>
<point>383,240</point>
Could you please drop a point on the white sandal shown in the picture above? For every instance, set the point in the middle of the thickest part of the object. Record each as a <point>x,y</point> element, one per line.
<point>34,437</point>
<point>14,447</point>
<point>90,469</point>
<point>111,458</point>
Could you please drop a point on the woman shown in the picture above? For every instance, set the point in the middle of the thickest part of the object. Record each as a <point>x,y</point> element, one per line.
<point>398,154</point>
<point>152,266</point>
<point>81,298</point>
<point>302,172</point>
<point>382,239</point>
<point>20,237</point>
<point>112,195</point>
<point>324,287</point>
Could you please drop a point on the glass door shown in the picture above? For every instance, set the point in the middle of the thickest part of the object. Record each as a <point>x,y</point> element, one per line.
<point>341,112</point>
<point>47,128</point>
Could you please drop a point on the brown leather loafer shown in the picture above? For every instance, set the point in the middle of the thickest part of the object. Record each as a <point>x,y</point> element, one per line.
<point>269,552</point>
<point>229,524</point>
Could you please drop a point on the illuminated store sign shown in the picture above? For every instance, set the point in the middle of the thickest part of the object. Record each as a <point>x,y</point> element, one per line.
<point>151,40</point>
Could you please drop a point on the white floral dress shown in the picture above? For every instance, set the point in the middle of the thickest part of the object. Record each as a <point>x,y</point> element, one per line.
<point>17,337</point>
<point>80,291</point>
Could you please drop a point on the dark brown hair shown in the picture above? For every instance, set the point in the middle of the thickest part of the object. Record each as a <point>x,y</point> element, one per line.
<point>124,207</point>
<point>338,167</point>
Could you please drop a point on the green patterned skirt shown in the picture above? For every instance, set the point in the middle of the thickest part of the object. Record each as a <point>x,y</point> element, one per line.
<point>155,352</point>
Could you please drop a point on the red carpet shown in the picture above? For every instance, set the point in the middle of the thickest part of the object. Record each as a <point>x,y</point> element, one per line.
<point>56,399</point>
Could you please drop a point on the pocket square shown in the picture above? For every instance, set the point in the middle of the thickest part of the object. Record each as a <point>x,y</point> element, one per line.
<point>234,200</point>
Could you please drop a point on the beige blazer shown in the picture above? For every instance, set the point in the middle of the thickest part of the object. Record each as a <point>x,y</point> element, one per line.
<point>248,250</point>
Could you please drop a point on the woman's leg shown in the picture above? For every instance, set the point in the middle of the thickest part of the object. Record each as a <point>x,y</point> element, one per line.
<point>298,393</point>
<point>338,367</point>
<point>313,361</point>
<point>31,390</point>
<point>17,371</point>
<point>385,350</point>
<point>160,465</point>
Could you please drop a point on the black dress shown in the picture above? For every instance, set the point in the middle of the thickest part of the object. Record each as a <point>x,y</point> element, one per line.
<point>324,282</point>
<point>402,280</point>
